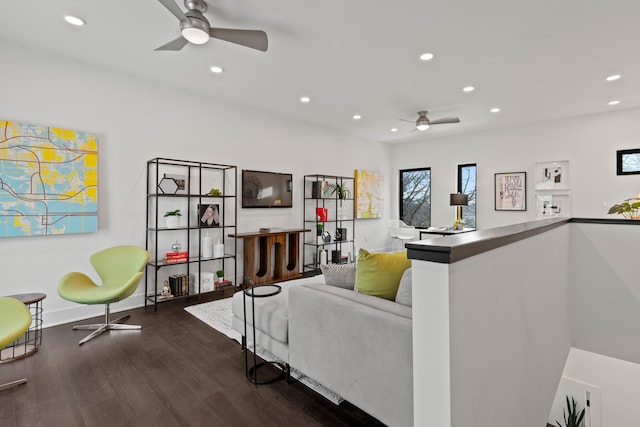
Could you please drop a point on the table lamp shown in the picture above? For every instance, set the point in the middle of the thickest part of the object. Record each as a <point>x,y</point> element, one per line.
<point>458,200</point>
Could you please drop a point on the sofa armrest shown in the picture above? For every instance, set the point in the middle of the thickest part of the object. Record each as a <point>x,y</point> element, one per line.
<point>356,347</point>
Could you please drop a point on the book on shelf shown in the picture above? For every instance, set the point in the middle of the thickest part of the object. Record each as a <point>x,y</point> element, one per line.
<point>175,257</point>
<point>222,283</point>
<point>270,229</point>
<point>179,284</point>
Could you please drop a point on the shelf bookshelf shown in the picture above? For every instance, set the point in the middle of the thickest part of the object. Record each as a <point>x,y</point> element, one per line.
<point>206,220</point>
<point>319,194</point>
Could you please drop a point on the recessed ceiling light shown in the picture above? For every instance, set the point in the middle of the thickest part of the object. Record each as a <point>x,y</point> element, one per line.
<point>613,77</point>
<point>427,56</point>
<point>216,69</point>
<point>614,102</point>
<point>468,89</point>
<point>305,99</point>
<point>357,117</point>
<point>495,110</point>
<point>74,20</point>
<point>394,129</point>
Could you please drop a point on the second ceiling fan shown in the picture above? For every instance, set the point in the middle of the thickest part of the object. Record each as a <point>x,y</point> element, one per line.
<point>195,28</point>
<point>424,122</point>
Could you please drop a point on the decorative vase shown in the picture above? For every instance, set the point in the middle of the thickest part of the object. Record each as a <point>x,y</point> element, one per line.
<point>207,246</point>
<point>173,221</point>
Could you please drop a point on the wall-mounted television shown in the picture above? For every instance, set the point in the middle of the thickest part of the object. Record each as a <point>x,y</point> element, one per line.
<point>266,189</point>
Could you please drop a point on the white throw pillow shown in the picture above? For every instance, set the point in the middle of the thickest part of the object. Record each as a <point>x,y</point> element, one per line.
<point>341,275</point>
<point>404,289</point>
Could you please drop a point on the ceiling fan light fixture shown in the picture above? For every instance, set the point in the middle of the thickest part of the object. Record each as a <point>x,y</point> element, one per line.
<point>422,123</point>
<point>195,30</point>
<point>195,35</point>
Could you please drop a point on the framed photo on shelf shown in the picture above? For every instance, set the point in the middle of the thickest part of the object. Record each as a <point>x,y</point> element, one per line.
<point>511,191</point>
<point>553,206</point>
<point>209,216</point>
<point>628,162</point>
<point>173,184</point>
<point>552,175</point>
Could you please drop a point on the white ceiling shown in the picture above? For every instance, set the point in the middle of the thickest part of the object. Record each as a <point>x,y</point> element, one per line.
<point>536,60</point>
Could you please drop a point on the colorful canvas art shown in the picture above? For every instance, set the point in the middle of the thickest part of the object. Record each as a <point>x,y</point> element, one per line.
<point>368,190</point>
<point>48,180</point>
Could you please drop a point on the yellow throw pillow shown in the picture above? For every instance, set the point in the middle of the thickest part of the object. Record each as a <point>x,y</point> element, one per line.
<point>379,274</point>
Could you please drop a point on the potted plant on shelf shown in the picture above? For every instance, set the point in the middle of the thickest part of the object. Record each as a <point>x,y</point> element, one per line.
<point>173,218</point>
<point>629,208</point>
<point>340,190</point>
<point>220,275</point>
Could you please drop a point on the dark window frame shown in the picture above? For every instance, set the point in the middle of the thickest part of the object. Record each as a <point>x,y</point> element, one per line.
<point>401,193</point>
<point>620,161</point>
<point>475,207</point>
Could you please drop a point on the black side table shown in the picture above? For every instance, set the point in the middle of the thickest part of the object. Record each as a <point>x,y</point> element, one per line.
<point>32,339</point>
<point>250,290</point>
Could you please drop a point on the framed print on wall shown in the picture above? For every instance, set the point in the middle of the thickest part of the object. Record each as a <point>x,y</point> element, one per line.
<point>511,191</point>
<point>552,175</point>
<point>553,206</point>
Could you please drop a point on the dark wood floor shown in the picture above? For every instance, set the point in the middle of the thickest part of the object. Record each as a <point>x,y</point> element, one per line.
<point>176,371</point>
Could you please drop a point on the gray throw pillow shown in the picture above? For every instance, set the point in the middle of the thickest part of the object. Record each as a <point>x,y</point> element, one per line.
<point>404,289</point>
<point>341,275</point>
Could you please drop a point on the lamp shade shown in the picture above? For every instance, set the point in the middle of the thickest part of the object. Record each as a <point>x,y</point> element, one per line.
<point>458,199</point>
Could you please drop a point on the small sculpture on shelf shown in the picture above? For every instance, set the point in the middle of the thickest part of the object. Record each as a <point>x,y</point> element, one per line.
<point>166,291</point>
<point>215,192</point>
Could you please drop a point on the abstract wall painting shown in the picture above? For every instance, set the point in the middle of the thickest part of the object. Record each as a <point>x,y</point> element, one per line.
<point>368,190</point>
<point>552,175</point>
<point>48,180</point>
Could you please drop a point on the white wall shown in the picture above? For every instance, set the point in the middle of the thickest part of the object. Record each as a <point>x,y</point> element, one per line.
<point>507,334</point>
<point>589,143</point>
<point>137,120</point>
<point>605,290</point>
<point>618,382</point>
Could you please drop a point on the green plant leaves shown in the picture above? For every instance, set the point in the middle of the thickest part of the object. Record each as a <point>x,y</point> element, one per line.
<point>572,418</point>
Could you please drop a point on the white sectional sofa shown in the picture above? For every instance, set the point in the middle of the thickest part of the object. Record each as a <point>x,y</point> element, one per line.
<point>356,345</point>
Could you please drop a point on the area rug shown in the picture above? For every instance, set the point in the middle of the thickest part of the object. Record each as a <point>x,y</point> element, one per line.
<point>217,314</point>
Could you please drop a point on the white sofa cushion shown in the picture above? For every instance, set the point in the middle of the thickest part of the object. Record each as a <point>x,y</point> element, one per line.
<point>404,289</point>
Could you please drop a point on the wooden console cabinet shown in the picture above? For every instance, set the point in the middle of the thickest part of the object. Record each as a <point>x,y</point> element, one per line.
<point>271,256</point>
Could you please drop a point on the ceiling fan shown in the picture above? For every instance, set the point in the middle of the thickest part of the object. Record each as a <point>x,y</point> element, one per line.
<point>195,28</point>
<point>423,121</point>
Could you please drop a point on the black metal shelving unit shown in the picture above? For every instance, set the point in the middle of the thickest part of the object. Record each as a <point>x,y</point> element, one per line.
<point>341,215</point>
<point>199,178</point>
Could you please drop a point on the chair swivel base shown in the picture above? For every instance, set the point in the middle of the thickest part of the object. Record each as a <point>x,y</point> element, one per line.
<point>12,384</point>
<point>107,326</point>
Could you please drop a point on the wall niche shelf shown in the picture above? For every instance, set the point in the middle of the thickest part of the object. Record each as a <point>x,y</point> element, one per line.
<point>319,194</point>
<point>206,220</point>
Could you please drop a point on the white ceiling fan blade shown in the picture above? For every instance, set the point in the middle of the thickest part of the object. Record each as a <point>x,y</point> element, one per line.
<point>444,121</point>
<point>174,8</point>
<point>408,121</point>
<point>254,39</point>
<point>174,45</point>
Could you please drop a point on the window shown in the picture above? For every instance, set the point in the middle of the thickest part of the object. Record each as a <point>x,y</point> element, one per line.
<point>415,190</point>
<point>467,185</point>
